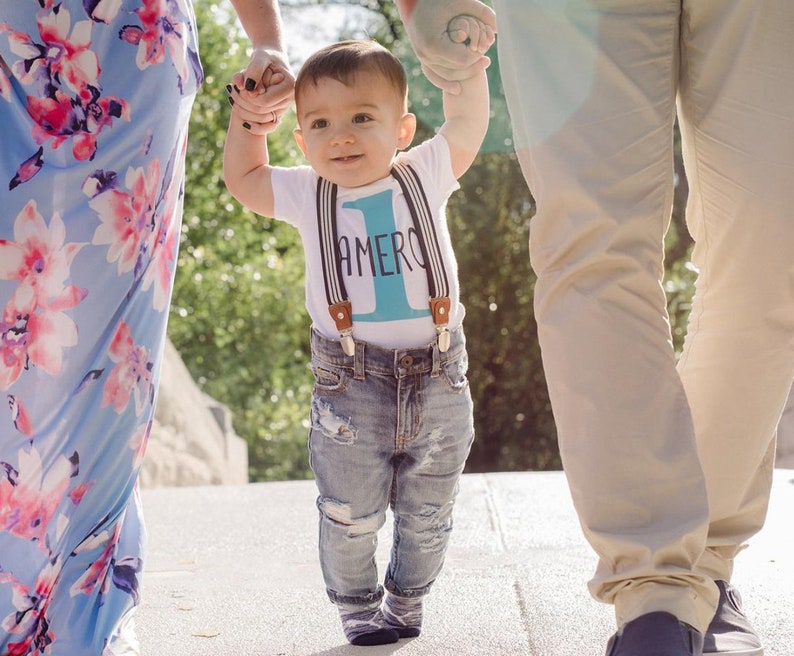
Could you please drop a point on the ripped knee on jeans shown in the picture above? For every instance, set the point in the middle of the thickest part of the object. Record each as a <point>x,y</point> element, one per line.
<point>340,512</point>
<point>435,526</point>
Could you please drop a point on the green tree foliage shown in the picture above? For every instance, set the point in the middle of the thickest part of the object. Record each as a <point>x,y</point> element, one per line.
<point>238,317</point>
<point>490,225</point>
<point>238,310</point>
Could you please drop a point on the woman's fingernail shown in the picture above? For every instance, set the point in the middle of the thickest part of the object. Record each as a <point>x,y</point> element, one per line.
<point>229,88</point>
<point>247,125</point>
<point>250,84</point>
<point>231,100</point>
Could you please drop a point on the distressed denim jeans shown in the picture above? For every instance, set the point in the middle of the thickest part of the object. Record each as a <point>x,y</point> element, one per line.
<point>389,428</point>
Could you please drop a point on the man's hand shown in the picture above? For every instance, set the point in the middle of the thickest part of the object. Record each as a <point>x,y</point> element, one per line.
<point>450,38</point>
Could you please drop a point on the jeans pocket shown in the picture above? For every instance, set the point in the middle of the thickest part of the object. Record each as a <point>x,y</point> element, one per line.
<point>454,373</point>
<point>329,379</point>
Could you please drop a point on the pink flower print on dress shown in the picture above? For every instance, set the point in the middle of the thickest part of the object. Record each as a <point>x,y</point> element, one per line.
<point>60,118</point>
<point>33,327</point>
<point>5,85</point>
<point>138,443</point>
<point>29,66</point>
<point>30,167</point>
<point>60,57</point>
<point>48,332</point>
<point>19,416</point>
<point>107,569</point>
<point>97,571</point>
<point>77,493</point>
<point>31,336</point>
<point>13,347</point>
<point>29,621</point>
<point>102,11</point>
<point>43,260</point>
<point>132,376</point>
<point>160,271</point>
<point>64,72</point>
<point>69,55</point>
<point>161,30</point>
<point>29,498</point>
<point>128,218</point>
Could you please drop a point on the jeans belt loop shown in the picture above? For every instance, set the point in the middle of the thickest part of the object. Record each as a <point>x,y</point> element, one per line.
<point>436,370</point>
<point>358,362</point>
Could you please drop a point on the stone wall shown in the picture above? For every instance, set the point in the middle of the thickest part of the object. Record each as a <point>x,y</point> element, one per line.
<point>192,440</point>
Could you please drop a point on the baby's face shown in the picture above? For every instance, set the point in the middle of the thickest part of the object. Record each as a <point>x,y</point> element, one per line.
<point>350,133</point>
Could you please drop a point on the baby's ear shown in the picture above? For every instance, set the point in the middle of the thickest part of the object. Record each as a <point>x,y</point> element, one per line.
<point>298,134</point>
<point>407,131</point>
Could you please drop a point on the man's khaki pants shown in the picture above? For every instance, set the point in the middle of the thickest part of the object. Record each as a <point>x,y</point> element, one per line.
<point>669,464</point>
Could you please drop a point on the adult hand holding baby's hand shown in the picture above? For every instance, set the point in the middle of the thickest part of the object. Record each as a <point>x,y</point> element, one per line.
<point>450,38</point>
<point>262,93</point>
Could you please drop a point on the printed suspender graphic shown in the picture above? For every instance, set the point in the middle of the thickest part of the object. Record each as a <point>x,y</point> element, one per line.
<point>339,305</point>
<point>437,282</point>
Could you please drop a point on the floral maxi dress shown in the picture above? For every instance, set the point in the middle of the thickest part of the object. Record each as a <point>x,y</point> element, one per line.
<point>95,97</point>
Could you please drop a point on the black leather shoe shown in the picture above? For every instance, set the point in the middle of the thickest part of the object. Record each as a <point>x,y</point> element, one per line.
<point>656,634</point>
<point>729,632</point>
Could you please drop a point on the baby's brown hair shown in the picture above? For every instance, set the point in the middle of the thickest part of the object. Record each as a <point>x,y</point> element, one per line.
<point>342,61</point>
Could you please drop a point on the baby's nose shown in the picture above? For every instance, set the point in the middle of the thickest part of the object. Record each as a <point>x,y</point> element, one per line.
<point>343,134</point>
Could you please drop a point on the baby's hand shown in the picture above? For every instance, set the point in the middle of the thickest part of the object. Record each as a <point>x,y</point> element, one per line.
<point>471,32</point>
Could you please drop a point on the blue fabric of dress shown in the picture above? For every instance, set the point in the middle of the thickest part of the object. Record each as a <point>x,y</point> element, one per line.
<point>95,97</point>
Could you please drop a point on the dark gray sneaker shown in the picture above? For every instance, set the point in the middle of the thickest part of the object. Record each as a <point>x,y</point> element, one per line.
<point>656,634</point>
<point>729,632</point>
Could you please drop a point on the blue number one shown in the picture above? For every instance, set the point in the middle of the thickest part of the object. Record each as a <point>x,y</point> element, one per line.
<point>391,301</point>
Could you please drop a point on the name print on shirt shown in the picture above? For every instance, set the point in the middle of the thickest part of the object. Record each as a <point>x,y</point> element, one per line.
<point>386,255</point>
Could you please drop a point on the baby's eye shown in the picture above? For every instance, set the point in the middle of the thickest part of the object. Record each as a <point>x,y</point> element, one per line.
<point>320,123</point>
<point>361,118</point>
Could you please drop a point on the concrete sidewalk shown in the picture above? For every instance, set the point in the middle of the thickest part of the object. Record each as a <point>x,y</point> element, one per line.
<point>233,571</point>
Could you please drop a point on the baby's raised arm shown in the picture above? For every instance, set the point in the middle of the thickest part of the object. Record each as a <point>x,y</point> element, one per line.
<point>246,161</point>
<point>467,112</point>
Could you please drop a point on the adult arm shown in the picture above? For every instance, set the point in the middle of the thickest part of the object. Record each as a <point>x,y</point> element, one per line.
<point>264,90</point>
